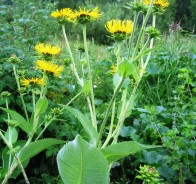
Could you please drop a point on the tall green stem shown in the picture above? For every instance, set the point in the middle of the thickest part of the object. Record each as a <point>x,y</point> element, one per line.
<point>108,110</point>
<point>136,15</point>
<point>33,99</point>
<point>44,86</point>
<point>21,96</point>
<point>94,121</point>
<point>111,126</point>
<point>143,28</point>
<point>132,97</point>
<point>71,56</point>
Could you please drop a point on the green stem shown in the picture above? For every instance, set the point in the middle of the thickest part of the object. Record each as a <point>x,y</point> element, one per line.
<point>142,50</point>
<point>136,15</point>
<point>22,169</point>
<point>74,98</point>
<point>44,86</point>
<point>10,171</point>
<point>108,110</point>
<point>118,52</point>
<point>7,107</point>
<point>90,109</point>
<point>132,97</point>
<point>143,28</point>
<point>111,126</point>
<point>5,141</point>
<point>33,99</point>
<point>71,55</point>
<point>46,126</point>
<point>9,145</point>
<point>94,121</point>
<point>21,96</point>
<point>118,127</point>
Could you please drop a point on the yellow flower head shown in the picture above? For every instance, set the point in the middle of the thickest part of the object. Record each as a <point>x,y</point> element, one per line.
<point>47,49</point>
<point>84,16</point>
<point>49,67</point>
<point>63,14</point>
<point>119,29</point>
<point>158,3</point>
<point>32,81</point>
<point>113,69</point>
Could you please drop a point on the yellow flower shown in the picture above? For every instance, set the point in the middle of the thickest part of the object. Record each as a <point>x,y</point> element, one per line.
<point>119,26</point>
<point>49,67</point>
<point>84,16</point>
<point>64,13</point>
<point>113,69</point>
<point>119,29</point>
<point>47,49</point>
<point>158,3</point>
<point>32,81</point>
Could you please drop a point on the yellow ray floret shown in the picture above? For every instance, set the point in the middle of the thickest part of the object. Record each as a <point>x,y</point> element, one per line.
<point>82,13</point>
<point>119,26</point>
<point>47,49</point>
<point>32,81</point>
<point>63,13</point>
<point>158,3</point>
<point>49,67</point>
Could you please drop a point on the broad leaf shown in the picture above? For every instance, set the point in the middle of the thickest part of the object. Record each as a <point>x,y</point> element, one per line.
<point>81,163</point>
<point>117,78</point>
<point>87,125</point>
<point>117,151</point>
<point>124,68</point>
<point>36,147</point>
<point>23,124</point>
<point>11,135</point>
<point>41,106</point>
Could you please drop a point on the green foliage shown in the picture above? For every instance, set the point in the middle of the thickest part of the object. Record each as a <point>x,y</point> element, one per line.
<point>120,150</point>
<point>41,106</point>
<point>36,147</point>
<point>22,123</point>
<point>86,123</point>
<point>87,161</point>
<point>163,112</point>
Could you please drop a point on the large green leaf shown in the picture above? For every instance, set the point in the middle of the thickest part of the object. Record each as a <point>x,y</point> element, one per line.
<point>124,68</point>
<point>87,125</point>
<point>41,106</point>
<point>81,163</point>
<point>117,151</point>
<point>23,124</point>
<point>36,147</point>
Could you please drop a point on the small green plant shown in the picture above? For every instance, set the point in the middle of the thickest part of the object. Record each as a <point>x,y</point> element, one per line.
<point>148,174</point>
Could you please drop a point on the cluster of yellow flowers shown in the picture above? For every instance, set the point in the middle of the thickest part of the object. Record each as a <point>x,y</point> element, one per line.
<point>47,67</point>
<point>119,29</point>
<point>82,16</point>
<point>158,3</point>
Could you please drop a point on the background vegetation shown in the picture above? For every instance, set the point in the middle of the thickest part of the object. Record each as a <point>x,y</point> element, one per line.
<point>165,109</point>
